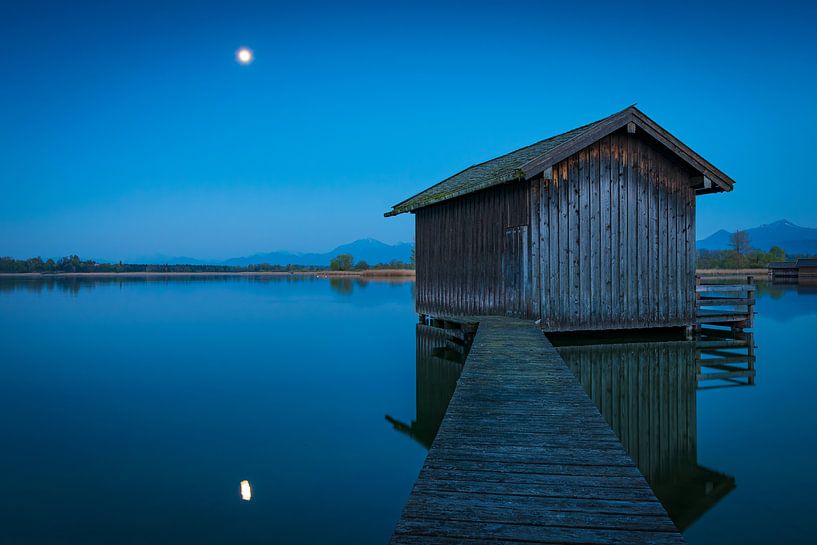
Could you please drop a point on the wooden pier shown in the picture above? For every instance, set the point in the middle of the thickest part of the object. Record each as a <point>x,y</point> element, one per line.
<point>725,304</point>
<point>523,455</point>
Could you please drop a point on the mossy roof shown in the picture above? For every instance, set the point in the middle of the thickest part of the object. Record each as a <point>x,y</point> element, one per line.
<point>531,160</point>
<point>505,168</point>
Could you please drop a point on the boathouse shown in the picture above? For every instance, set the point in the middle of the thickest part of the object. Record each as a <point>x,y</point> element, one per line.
<point>590,229</point>
<point>804,268</point>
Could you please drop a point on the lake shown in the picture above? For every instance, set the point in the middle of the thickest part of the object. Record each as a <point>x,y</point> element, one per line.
<point>132,409</point>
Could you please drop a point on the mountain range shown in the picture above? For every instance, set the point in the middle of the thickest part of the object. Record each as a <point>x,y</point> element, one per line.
<point>368,249</point>
<point>795,240</point>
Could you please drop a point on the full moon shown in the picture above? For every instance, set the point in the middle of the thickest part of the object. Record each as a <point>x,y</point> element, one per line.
<point>243,55</point>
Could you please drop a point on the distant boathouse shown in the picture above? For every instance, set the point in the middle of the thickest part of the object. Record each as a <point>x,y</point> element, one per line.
<point>803,269</point>
<point>590,229</point>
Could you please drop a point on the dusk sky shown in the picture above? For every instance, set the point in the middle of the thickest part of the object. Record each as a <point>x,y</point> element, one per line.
<point>129,129</point>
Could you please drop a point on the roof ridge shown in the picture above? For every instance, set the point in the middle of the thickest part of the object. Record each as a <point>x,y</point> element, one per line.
<point>531,160</point>
<point>498,157</point>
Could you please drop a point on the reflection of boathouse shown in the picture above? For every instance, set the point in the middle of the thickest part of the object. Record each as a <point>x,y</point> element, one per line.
<point>647,393</point>
<point>440,357</point>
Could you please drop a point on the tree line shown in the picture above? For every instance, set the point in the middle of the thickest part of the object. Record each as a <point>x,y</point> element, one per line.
<point>74,264</point>
<point>346,262</point>
<point>741,255</point>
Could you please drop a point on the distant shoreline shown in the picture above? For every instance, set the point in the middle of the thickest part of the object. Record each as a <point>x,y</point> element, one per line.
<point>733,273</point>
<point>370,273</point>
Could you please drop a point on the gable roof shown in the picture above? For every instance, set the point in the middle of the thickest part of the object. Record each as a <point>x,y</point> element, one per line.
<point>530,161</point>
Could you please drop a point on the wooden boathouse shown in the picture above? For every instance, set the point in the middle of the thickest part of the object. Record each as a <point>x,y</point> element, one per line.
<point>804,268</point>
<point>590,229</point>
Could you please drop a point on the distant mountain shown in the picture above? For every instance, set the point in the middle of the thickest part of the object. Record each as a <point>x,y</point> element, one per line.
<point>368,249</point>
<point>161,259</point>
<point>792,238</point>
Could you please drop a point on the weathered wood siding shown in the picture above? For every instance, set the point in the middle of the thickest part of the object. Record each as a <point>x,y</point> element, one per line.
<point>615,230</point>
<point>608,243</point>
<point>470,254</point>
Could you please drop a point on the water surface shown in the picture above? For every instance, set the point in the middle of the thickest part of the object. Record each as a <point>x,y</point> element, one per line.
<point>726,442</point>
<point>720,425</point>
<point>765,435</point>
<point>131,409</point>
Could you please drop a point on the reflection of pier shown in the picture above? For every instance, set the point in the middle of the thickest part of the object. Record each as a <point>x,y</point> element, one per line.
<point>647,393</point>
<point>725,359</point>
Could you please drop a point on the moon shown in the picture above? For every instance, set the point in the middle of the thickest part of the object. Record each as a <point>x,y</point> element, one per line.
<point>244,55</point>
<point>246,490</point>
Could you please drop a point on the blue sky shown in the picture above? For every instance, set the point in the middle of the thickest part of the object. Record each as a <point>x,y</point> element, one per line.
<point>128,129</point>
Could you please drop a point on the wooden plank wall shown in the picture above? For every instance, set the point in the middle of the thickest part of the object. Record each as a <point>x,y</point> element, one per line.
<point>615,239</point>
<point>462,250</point>
<point>608,243</point>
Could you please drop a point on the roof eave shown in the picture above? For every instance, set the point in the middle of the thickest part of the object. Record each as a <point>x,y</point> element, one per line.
<point>398,209</point>
<point>538,165</point>
<point>707,169</point>
<point>712,179</point>
<point>721,181</point>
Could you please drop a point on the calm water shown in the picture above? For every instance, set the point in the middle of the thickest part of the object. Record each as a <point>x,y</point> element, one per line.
<point>131,410</point>
<point>765,436</point>
<point>731,459</point>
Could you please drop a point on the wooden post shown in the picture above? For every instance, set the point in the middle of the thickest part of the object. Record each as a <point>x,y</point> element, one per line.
<point>697,326</point>
<point>750,294</point>
<point>751,352</point>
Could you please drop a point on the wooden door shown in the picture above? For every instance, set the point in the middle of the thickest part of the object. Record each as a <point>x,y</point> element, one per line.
<point>515,270</point>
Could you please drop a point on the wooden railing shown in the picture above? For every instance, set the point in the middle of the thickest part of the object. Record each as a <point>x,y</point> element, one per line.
<point>725,304</point>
